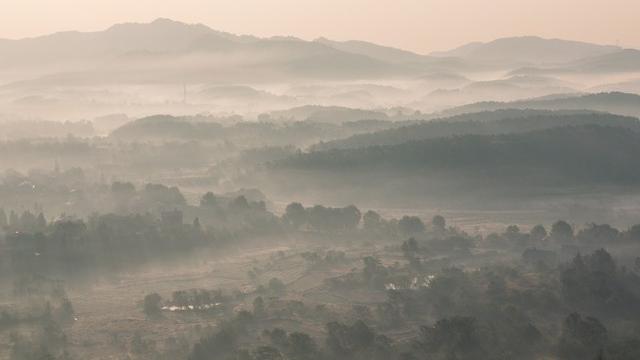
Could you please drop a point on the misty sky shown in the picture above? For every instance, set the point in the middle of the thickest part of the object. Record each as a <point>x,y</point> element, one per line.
<point>418,25</point>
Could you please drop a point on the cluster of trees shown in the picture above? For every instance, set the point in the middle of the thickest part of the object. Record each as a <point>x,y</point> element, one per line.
<point>72,247</point>
<point>323,218</point>
<point>36,325</point>
<point>575,310</point>
<point>561,233</point>
<point>140,224</point>
<point>350,218</point>
<point>26,222</point>
<point>343,341</point>
<point>497,312</point>
<point>48,341</point>
<point>456,337</point>
<point>595,284</point>
<point>537,246</point>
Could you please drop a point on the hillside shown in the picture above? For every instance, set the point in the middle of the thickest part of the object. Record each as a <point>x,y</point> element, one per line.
<point>570,155</point>
<point>618,62</point>
<point>528,49</point>
<point>242,134</point>
<point>484,123</point>
<point>382,53</point>
<point>156,51</point>
<point>328,114</point>
<point>614,102</point>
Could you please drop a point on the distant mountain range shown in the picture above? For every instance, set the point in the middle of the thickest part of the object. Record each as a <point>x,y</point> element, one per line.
<point>166,50</point>
<point>622,61</point>
<point>528,49</point>
<point>171,51</point>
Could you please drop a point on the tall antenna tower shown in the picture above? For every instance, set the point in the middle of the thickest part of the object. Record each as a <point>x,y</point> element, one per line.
<point>184,93</point>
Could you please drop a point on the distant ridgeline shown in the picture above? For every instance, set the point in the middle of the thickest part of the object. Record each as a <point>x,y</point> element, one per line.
<point>613,102</point>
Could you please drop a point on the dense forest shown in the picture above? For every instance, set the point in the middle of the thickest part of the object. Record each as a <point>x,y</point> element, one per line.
<point>591,153</point>
<point>484,123</point>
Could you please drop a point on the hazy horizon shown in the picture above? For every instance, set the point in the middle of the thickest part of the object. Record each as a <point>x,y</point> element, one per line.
<point>417,26</point>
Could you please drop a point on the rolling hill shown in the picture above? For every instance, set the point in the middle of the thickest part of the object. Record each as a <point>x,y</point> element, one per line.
<point>528,49</point>
<point>572,155</point>
<point>167,50</point>
<point>617,62</point>
<point>485,123</point>
<point>614,102</point>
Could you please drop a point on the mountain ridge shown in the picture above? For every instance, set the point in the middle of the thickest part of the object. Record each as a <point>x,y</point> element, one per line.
<point>528,49</point>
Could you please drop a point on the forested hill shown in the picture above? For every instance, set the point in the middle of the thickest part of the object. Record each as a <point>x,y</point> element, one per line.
<point>612,102</point>
<point>483,123</point>
<point>585,154</point>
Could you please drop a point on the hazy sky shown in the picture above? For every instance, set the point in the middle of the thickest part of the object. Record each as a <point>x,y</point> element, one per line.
<point>418,25</point>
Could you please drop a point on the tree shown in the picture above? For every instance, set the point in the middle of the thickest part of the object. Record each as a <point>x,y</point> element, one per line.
<point>512,230</point>
<point>593,282</point>
<point>295,214</point>
<point>125,188</point>
<point>562,231</point>
<point>216,346</point>
<point>633,234</point>
<point>208,200</point>
<point>410,247</point>
<point>302,347</point>
<point>595,234</point>
<point>538,233</point>
<point>65,313</point>
<point>267,353</point>
<point>259,308</point>
<point>152,305</point>
<point>121,188</point>
<point>41,222</point>
<point>277,337</point>
<point>410,225</point>
<point>374,273</point>
<point>344,341</point>
<point>28,222</point>
<point>371,221</point>
<point>350,216</point>
<point>452,338</point>
<point>164,196</point>
<point>582,338</point>
<point>439,223</point>
<point>3,219</point>
<point>362,336</point>
<point>239,204</point>
<point>601,262</point>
